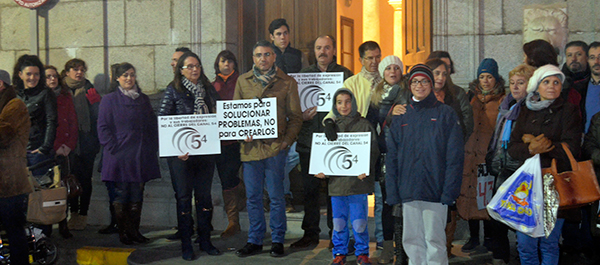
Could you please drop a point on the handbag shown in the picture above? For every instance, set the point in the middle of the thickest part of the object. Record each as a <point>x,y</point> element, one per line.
<point>577,187</point>
<point>47,206</point>
<point>70,182</point>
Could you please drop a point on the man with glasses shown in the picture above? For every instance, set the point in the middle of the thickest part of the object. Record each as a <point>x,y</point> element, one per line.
<point>264,159</point>
<point>424,168</point>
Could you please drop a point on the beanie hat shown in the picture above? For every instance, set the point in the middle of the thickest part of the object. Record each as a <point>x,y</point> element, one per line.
<point>389,60</point>
<point>420,70</point>
<point>490,66</point>
<point>540,74</point>
<point>5,77</point>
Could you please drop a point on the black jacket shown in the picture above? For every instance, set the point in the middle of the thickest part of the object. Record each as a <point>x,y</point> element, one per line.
<point>290,61</point>
<point>180,103</point>
<point>41,104</point>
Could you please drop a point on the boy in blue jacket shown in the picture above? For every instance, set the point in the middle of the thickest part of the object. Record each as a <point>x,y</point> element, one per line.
<point>424,168</point>
<point>349,194</point>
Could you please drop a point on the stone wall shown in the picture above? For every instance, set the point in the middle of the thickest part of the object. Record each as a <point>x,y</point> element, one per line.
<point>472,30</point>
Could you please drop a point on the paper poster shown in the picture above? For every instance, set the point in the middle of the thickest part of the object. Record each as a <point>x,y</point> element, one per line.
<point>193,134</point>
<point>349,155</point>
<point>317,89</point>
<point>239,119</point>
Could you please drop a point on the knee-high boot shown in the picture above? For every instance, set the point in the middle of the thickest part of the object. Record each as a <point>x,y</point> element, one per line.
<point>185,223</point>
<point>134,227</point>
<point>112,227</point>
<point>401,257</point>
<point>231,208</point>
<point>204,217</point>
<point>122,222</point>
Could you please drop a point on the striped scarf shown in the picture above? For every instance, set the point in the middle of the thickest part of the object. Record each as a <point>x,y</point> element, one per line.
<point>266,78</point>
<point>373,77</point>
<point>199,92</point>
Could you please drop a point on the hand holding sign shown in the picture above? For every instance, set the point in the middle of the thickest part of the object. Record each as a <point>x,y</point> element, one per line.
<point>349,155</point>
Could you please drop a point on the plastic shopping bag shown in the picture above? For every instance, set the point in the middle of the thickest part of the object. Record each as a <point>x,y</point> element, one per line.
<point>519,201</point>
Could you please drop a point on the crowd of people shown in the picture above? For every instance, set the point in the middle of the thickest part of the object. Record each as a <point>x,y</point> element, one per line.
<point>430,139</point>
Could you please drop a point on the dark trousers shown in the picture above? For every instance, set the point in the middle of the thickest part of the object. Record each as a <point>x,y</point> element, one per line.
<point>12,219</point>
<point>82,166</point>
<point>228,165</point>
<point>576,235</point>
<point>387,219</point>
<point>312,188</point>
<point>128,192</point>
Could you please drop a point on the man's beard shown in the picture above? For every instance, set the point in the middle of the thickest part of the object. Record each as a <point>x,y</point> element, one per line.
<point>576,67</point>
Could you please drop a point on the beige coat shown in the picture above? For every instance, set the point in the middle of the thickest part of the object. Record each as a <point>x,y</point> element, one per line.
<point>14,136</point>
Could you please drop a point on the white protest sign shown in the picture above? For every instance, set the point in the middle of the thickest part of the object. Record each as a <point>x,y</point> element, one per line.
<point>194,134</point>
<point>349,155</point>
<point>239,119</point>
<point>317,89</point>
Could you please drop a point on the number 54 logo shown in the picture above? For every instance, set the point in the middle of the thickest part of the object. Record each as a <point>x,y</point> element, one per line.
<point>312,96</point>
<point>339,157</point>
<point>188,138</point>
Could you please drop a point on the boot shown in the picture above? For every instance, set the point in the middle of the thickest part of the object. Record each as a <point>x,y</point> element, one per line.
<point>63,229</point>
<point>72,223</point>
<point>401,257</point>
<point>231,207</point>
<point>185,222</point>
<point>112,227</point>
<point>203,216</point>
<point>134,227</point>
<point>387,254</point>
<point>122,222</point>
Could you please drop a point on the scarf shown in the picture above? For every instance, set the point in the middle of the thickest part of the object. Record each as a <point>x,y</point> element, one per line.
<point>440,95</point>
<point>373,77</point>
<point>199,92</point>
<point>80,101</point>
<point>266,78</point>
<point>225,77</point>
<point>534,102</point>
<point>131,93</point>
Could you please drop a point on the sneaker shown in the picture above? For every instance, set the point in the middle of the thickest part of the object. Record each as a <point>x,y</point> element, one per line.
<point>249,249</point>
<point>470,245</point>
<point>363,259</point>
<point>277,250</point>
<point>339,260</point>
<point>380,245</point>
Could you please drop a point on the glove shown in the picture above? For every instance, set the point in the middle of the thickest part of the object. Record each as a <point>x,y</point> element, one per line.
<point>93,96</point>
<point>330,130</point>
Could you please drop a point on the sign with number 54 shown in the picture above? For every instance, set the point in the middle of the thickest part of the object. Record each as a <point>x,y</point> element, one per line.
<point>349,155</point>
<point>317,89</point>
<point>193,134</point>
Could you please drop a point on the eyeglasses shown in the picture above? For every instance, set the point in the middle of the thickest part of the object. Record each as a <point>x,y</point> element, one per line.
<point>258,55</point>
<point>423,82</point>
<point>191,66</point>
<point>372,58</point>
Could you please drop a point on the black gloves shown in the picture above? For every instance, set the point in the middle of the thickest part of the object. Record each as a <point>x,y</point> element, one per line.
<point>330,129</point>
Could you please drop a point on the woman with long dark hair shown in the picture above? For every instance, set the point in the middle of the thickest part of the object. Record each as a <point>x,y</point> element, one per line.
<point>191,93</point>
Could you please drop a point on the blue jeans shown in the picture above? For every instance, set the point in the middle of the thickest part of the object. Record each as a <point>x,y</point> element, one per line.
<point>258,174</point>
<point>12,219</point>
<point>378,212</point>
<point>293,158</point>
<point>548,247</point>
<point>353,208</point>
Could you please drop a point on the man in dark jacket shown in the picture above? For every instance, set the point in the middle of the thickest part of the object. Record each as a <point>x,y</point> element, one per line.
<point>576,65</point>
<point>289,60</point>
<point>326,62</point>
<point>424,168</point>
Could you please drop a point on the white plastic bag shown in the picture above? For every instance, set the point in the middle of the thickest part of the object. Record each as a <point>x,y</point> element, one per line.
<point>519,201</point>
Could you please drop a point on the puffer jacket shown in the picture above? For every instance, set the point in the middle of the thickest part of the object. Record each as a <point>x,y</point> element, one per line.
<point>485,112</point>
<point>314,125</point>
<point>41,104</point>
<point>351,185</point>
<point>425,154</point>
<point>289,114</point>
<point>175,102</point>
<point>14,135</point>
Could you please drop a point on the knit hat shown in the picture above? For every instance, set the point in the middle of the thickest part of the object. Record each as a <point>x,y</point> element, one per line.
<point>420,70</point>
<point>5,77</point>
<point>490,66</point>
<point>388,60</point>
<point>540,74</point>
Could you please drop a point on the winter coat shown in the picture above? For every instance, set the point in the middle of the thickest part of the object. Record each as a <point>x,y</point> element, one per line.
<point>425,154</point>
<point>361,89</point>
<point>87,142</point>
<point>459,101</point>
<point>314,125</point>
<point>67,130</point>
<point>485,113</point>
<point>351,185</point>
<point>128,131</point>
<point>14,136</point>
<point>225,89</point>
<point>41,104</point>
<point>175,102</point>
<point>289,114</point>
<point>289,61</point>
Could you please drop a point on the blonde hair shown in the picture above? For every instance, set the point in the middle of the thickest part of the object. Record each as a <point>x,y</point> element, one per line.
<point>523,70</point>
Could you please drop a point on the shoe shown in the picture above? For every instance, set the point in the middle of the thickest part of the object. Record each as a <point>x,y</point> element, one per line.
<point>63,229</point>
<point>289,206</point>
<point>277,250</point>
<point>187,250</point>
<point>363,259</point>
<point>73,220</point>
<point>387,253</point>
<point>208,247</point>
<point>123,222</point>
<point>379,246</point>
<point>249,249</point>
<point>339,260</point>
<point>174,237</point>
<point>305,241</point>
<point>470,245</point>
<point>330,247</point>
<point>110,229</point>
<point>135,214</point>
<point>79,224</point>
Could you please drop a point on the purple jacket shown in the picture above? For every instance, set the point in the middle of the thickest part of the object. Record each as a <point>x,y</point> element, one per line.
<point>128,131</point>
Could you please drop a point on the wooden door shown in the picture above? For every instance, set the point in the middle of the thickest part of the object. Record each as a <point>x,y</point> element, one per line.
<point>347,42</point>
<point>417,31</point>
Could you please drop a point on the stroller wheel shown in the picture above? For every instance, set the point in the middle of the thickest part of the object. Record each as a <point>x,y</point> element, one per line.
<point>45,252</point>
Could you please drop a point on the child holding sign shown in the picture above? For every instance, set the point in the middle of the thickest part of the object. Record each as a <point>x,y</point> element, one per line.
<point>349,194</point>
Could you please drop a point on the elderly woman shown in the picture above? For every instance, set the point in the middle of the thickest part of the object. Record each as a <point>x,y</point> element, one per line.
<point>500,163</point>
<point>14,135</point>
<point>545,122</point>
<point>191,93</point>
<point>86,100</point>
<point>128,131</point>
<point>487,92</point>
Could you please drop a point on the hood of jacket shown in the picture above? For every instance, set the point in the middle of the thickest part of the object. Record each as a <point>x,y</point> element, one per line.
<point>354,111</point>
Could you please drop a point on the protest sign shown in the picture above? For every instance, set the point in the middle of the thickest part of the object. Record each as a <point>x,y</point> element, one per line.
<point>349,155</point>
<point>317,89</point>
<point>194,134</point>
<point>239,119</point>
